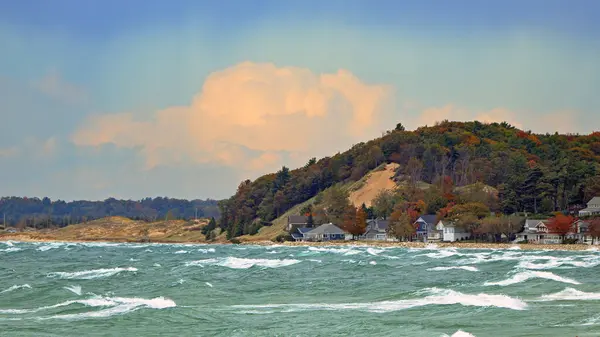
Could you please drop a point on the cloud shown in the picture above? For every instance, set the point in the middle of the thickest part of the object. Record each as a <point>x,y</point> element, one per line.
<point>8,152</point>
<point>253,116</point>
<point>53,85</point>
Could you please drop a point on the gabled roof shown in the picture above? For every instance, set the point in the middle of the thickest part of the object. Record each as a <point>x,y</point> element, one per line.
<point>297,236</point>
<point>529,223</point>
<point>594,201</point>
<point>303,230</point>
<point>428,218</point>
<point>299,219</point>
<point>327,228</point>
<point>379,225</point>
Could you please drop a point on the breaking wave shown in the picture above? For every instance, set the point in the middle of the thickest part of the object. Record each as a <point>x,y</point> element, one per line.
<point>459,333</point>
<point>74,289</point>
<point>116,305</point>
<point>467,268</point>
<point>16,287</point>
<point>90,274</point>
<point>242,263</point>
<point>570,294</point>
<point>529,274</point>
<point>437,297</point>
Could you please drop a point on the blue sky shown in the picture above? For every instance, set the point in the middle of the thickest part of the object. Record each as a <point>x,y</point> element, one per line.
<point>187,98</point>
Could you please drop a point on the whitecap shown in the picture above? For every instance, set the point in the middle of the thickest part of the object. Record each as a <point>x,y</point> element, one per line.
<point>74,289</point>
<point>459,333</point>
<point>117,305</point>
<point>467,268</point>
<point>181,252</point>
<point>374,251</point>
<point>342,251</point>
<point>208,284</point>
<point>90,274</point>
<point>437,297</point>
<point>15,287</point>
<point>11,249</point>
<point>209,250</point>
<point>570,294</point>
<point>373,263</point>
<point>529,274</point>
<point>243,263</point>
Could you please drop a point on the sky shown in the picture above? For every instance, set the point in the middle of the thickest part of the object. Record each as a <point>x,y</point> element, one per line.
<point>185,99</point>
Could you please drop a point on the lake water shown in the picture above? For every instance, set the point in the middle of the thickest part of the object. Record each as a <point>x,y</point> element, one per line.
<point>104,289</point>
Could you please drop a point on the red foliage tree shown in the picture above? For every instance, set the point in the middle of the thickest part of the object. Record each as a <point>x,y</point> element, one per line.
<point>594,228</point>
<point>561,224</point>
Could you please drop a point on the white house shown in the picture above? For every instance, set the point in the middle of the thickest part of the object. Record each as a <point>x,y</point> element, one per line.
<point>450,232</point>
<point>593,207</point>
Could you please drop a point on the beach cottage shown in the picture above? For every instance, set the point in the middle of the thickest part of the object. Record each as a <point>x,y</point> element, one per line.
<point>593,207</point>
<point>425,225</point>
<point>450,232</point>
<point>376,230</point>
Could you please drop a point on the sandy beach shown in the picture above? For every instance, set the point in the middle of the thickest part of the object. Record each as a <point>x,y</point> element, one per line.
<point>463,245</point>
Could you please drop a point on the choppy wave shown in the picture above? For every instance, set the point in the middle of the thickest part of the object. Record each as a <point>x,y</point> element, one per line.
<point>16,287</point>
<point>11,249</point>
<point>459,333</point>
<point>467,268</point>
<point>243,263</point>
<point>342,251</point>
<point>90,274</point>
<point>116,305</point>
<point>437,297</point>
<point>570,294</point>
<point>530,274</point>
<point>74,289</point>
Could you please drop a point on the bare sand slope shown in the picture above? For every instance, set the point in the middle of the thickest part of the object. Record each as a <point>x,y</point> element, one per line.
<point>376,181</point>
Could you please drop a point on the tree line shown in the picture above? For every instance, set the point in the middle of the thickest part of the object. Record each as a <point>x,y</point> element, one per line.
<point>45,213</point>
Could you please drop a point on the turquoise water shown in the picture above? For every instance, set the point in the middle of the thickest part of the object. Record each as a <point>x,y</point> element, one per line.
<point>102,289</point>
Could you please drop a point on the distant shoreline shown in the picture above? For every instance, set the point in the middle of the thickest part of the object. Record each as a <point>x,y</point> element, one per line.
<point>382,244</point>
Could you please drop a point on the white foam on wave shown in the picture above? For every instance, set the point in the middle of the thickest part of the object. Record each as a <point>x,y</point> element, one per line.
<point>437,297</point>
<point>91,274</point>
<point>205,251</point>
<point>116,305</point>
<point>16,287</point>
<point>459,333</point>
<point>342,251</point>
<point>374,251</point>
<point>373,263</point>
<point>8,243</point>
<point>181,252</point>
<point>243,263</point>
<point>467,268</point>
<point>523,276</point>
<point>570,294</point>
<point>208,284</point>
<point>11,249</point>
<point>74,289</point>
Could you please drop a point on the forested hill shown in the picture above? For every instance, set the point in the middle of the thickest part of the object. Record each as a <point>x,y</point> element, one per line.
<point>536,173</point>
<point>42,213</point>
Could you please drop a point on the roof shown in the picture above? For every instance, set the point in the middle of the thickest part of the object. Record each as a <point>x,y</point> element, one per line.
<point>297,236</point>
<point>297,219</point>
<point>428,218</point>
<point>327,228</point>
<point>531,223</point>
<point>303,230</point>
<point>594,201</point>
<point>590,210</point>
<point>378,224</point>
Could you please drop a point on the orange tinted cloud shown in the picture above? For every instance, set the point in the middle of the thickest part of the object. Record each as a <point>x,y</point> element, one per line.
<point>246,115</point>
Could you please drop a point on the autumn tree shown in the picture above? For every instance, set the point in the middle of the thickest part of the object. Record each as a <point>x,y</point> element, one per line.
<point>357,223</point>
<point>400,225</point>
<point>561,225</point>
<point>594,229</point>
<point>414,170</point>
<point>348,222</point>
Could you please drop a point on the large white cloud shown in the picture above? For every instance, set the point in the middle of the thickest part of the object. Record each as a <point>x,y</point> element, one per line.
<point>252,116</point>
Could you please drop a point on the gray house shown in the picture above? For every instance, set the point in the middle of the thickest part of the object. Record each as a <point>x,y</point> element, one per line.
<point>593,207</point>
<point>425,225</point>
<point>376,230</point>
<point>325,232</point>
<point>296,221</point>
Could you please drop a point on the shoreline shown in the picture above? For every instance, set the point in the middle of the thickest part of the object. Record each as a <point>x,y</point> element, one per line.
<point>381,244</point>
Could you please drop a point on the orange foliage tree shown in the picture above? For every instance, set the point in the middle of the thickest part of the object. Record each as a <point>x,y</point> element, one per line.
<point>354,221</point>
<point>594,228</point>
<point>561,224</point>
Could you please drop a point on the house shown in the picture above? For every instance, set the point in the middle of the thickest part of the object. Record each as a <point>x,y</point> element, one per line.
<point>376,230</point>
<point>424,225</point>
<point>534,231</point>
<point>296,221</point>
<point>593,207</point>
<point>325,232</point>
<point>450,232</point>
<point>580,232</point>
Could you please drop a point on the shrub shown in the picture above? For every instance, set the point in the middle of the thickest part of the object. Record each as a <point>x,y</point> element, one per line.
<point>235,241</point>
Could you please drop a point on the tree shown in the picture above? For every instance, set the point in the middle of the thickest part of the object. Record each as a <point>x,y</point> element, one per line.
<point>594,229</point>
<point>400,225</point>
<point>360,223</point>
<point>414,170</point>
<point>592,188</point>
<point>336,201</point>
<point>400,127</point>
<point>561,225</point>
<point>349,222</point>
<point>368,210</point>
<point>212,225</point>
<point>383,203</point>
